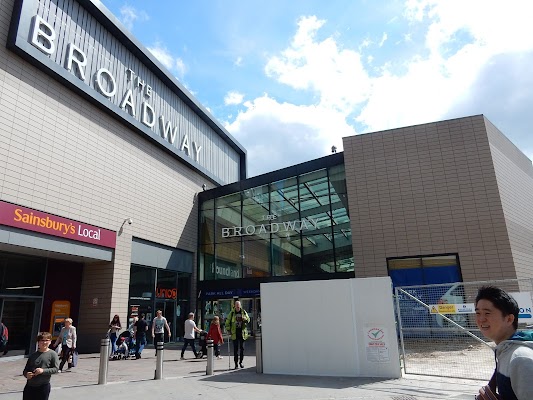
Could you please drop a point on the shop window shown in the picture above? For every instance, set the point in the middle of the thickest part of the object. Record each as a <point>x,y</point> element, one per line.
<point>21,275</point>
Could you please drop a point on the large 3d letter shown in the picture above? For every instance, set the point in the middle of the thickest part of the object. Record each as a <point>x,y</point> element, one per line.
<point>76,56</point>
<point>111,87</point>
<point>128,101</point>
<point>46,44</point>
<point>148,115</point>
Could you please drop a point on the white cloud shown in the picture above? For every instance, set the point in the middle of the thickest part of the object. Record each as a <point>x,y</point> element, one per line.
<point>278,135</point>
<point>233,98</point>
<point>128,15</point>
<point>383,39</point>
<point>163,55</point>
<point>449,74</point>
<point>238,62</point>
<point>337,75</point>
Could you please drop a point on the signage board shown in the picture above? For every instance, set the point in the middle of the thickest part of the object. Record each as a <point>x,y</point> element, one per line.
<point>80,43</point>
<point>38,221</point>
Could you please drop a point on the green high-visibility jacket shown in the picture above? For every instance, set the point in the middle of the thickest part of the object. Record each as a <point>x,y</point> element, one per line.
<point>231,324</point>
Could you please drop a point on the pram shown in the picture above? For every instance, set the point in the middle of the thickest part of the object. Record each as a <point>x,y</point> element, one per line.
<point>202,342</point>
<point>125,347</point>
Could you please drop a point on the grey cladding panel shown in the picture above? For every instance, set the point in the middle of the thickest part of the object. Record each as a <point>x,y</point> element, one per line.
<point>159,256</point>
<point>88,55</point>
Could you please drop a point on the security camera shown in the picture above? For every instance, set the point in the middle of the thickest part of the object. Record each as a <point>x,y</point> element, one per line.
<point>130,221</point>
<point>204,186</point>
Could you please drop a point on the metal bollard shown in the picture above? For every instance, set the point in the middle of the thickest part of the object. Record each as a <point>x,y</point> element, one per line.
<point>159,361</point>
<point>258,354</point>
<point>209,368</point>
<point>104,361</point>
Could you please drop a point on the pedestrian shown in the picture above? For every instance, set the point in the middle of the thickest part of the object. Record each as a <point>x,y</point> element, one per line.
<point>140,329</point>
<point>236,325</point>
<point>131,328</point>
<point>158,328</point>
<point>4,338</point>
<point>114,328</point>
<point>188,337</point>
<point>216,336</point>
<point>497,319</point>
<point>68,338</point>
<point>39,367</point>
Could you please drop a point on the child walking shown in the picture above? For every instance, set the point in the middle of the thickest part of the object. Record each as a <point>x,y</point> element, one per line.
<point>40,366</point>
<point>216,336</point>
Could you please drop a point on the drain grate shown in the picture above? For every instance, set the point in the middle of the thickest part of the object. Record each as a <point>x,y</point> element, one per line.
<point>403,398</point>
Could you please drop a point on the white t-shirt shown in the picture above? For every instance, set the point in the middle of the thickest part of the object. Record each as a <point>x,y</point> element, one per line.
<point>189,329</point>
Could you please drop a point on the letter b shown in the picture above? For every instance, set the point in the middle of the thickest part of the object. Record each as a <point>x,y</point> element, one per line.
<point>46,44</point>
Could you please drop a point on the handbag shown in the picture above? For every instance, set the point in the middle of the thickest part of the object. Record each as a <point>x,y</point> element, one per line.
<point>75,358</point>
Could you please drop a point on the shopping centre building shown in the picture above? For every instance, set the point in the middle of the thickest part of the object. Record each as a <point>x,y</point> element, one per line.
<point>102,155</point>
<point>121,194</point>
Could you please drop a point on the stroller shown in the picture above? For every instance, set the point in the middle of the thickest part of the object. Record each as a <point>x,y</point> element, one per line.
<point>125,347</point>
<point>202,342</point>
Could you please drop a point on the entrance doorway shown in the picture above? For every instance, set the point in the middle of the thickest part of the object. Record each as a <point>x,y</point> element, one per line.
<point>223,307</point>
<point>169,312</point>
<point>19,315</point>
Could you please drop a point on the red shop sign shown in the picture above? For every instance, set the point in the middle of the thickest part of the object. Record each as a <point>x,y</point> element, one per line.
<point>162,293</point>
<point>38,221</point>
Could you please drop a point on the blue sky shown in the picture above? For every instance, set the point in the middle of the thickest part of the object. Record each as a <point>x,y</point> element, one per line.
<point>289,79</point>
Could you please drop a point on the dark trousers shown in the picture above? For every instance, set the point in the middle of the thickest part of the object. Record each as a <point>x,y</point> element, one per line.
<point>193,347</point>
<point>216,347</point>
<point>65,354</point>
<point>238,344</point>
<point>40,392</point>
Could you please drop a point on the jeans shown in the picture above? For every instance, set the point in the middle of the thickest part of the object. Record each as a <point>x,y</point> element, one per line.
<point>140,342</point>
<point>216,347</point>
<point>41,392</point>
<point>113,339</point>
<point>189,342</point>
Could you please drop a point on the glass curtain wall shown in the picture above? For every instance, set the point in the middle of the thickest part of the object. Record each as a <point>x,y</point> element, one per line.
<point>296,226</point>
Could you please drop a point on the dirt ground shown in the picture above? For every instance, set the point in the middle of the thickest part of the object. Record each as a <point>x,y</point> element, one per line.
<point>458,358</point>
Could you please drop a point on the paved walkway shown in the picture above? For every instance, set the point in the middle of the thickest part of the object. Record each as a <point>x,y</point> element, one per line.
<point>187,380</point>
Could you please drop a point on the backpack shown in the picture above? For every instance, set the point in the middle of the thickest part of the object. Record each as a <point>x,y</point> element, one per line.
<point>5,335</point>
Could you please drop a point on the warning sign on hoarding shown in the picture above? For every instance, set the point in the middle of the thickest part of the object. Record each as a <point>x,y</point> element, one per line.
<point>377,344</point>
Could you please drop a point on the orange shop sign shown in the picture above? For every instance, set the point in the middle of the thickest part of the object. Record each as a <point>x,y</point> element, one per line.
<point>38,221</point>
<point>162,293</point>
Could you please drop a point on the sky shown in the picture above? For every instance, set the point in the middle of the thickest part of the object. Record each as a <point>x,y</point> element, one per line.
<point>290,79</point>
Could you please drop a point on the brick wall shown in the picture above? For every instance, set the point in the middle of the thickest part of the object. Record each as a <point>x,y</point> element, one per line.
<point>427,189</point>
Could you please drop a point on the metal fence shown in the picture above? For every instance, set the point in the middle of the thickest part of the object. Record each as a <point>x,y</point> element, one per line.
<point>438,332</point>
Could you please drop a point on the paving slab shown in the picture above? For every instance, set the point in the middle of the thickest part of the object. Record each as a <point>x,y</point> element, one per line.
<point>187,379</point>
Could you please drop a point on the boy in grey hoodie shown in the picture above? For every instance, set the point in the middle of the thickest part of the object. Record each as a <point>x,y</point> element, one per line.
<point>497,318</point>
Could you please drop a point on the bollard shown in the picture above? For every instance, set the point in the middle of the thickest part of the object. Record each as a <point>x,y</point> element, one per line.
<point>209,368</point>
<point>159,361</point>
<point>104,361</point>
<point>258,354</point>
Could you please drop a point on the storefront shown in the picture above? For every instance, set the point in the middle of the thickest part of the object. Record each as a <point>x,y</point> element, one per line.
<point>40,285</point>
<point>291,224</point>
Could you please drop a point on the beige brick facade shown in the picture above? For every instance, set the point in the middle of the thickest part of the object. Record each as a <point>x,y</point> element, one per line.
<point>64,156</point>
<point>456,186</point>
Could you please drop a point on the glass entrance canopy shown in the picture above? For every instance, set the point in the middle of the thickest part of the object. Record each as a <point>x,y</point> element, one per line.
<point>291,222</point>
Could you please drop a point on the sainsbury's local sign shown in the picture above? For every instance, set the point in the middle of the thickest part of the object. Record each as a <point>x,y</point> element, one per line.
<point>37,221</point>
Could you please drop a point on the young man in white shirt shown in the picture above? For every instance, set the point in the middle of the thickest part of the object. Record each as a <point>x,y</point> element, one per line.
<point>190,329</point>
